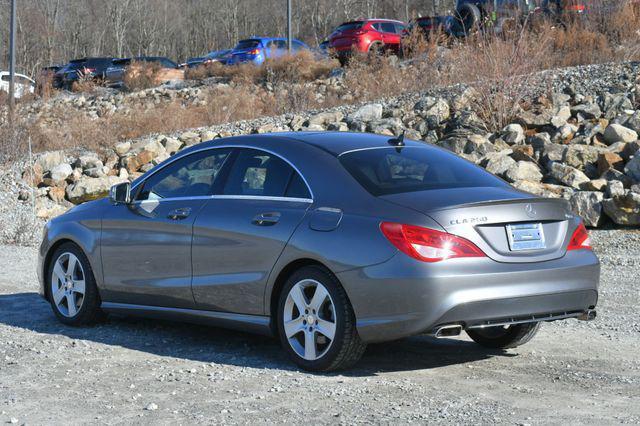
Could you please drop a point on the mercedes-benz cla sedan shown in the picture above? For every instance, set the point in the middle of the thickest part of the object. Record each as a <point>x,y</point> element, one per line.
<point>329,241</point>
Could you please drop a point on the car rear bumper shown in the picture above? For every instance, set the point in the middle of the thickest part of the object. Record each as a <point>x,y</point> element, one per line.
<point>404,297</point>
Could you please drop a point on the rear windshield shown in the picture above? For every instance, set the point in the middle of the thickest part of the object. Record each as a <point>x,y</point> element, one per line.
<point>388,171</point>
<point>349,26</point>
<point>247,44</point>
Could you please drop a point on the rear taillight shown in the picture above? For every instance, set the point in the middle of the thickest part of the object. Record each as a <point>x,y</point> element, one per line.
<point>428,245</point>
<point>254,52</point>
<point>580,239</point>
<point>577,7</point>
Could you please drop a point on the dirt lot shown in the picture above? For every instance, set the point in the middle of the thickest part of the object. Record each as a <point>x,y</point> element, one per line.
<point>139,371</point>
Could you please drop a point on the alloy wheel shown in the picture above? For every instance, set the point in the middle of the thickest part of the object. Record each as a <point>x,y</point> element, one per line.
<point>309,319</point>
<point>68,284</point>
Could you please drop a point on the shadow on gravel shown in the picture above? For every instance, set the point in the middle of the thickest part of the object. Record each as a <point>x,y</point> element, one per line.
<point>208,344</point>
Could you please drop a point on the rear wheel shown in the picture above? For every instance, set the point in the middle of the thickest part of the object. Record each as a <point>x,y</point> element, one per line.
<point>316,322</point>
<point>504,337</point>
<point>73,293</point>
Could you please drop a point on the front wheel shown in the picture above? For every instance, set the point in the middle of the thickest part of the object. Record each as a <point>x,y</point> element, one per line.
<point>504,337</point>
<point>316,322</point>
<point>72,291</point>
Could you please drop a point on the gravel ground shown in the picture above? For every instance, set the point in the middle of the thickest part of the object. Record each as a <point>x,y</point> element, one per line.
<point>140,371</point>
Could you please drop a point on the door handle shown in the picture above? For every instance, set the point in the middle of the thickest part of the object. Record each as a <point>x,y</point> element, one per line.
<point>179,214</point>
<point>266,219</point>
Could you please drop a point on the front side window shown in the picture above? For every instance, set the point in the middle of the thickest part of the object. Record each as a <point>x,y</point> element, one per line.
<point>391,171</point>
<point>191,176</point>
<point>259,173</point>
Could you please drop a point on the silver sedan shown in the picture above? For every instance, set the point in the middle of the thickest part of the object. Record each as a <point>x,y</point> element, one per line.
<point>329,241</point>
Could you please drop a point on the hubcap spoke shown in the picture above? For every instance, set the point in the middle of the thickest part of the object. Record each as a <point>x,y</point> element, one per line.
<point>293,327</point>
<point>318,298</point>
<point>326,328</point>
<point>310,345</point>
<point>71,304</point>
<point>71,267</point>
<point>298,298</point>
<point>78,286</point>
<point>58,295</point>
<point>58,271</point>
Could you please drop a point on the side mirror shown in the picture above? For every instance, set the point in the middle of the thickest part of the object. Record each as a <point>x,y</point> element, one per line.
<point>120,193</point>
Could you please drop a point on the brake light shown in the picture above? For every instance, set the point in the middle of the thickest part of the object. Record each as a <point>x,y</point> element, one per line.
<point>577,7</point>
<point>580,239</point>
<point>254,52</point>
<point>428,245</point>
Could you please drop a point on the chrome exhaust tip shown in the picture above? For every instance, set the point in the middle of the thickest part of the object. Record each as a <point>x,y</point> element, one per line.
<point>448,331</point>
<point>588,315</point>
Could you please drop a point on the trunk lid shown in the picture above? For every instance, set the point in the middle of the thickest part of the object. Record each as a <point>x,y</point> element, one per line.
<point>508,225</point>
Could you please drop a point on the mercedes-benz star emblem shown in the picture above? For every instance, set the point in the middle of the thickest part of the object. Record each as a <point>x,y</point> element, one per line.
<point>530,210</point>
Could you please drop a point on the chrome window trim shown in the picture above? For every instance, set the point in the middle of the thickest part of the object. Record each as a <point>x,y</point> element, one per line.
<point>380,147</point>
<point>172,160</point>
<point>228,197</point>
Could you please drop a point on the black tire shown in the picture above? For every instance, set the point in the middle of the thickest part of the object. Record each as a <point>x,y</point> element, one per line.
<point>346,348</point>
<point>504,338</point>
<point>376,49</point>
<point>469,18</point>
<point>89,311</point>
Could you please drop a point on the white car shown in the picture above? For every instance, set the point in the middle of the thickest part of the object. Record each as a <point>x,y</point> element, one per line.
<point>23,84</point>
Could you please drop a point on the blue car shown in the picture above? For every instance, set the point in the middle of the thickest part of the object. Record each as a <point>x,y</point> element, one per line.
<point>259,49</point>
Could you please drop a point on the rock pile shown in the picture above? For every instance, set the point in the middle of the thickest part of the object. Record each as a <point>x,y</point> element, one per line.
<point>579,143</point>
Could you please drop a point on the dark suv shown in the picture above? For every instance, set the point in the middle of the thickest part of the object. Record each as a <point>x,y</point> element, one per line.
<point>366,36</point>
<point>85,68</point>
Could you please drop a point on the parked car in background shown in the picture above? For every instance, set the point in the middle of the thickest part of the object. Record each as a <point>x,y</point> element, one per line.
<point>221,56</point>
<point>366,36</point>
<point>86,68</point>
<point>259,49</point>
<point>168,70</point>
<point>23,85</point>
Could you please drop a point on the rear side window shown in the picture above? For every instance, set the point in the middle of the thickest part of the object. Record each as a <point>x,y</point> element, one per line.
<point>387,171</point>
<point>247,44</point>
<point>191,176</point>
<point>350,26</point>
<point>260,173</point>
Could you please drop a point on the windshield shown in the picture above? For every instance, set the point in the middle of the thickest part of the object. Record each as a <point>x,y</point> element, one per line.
<point>390,170</point>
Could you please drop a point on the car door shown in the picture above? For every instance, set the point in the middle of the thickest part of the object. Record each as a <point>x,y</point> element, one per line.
<point>240,233</point>
<point>389,36</point>
<point>146,245</point>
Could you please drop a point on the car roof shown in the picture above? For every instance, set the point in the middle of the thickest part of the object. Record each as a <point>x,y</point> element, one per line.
<point>334,143</point>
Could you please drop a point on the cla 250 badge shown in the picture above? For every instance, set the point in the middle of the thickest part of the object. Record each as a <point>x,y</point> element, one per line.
<point>469,220</point>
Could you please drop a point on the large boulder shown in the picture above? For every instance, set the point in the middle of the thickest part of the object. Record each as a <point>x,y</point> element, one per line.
<point>579,156</point>
<point>367,113</point>
<point>609,160</point>
<point>324,118</point>
<point>624,210</point>
<point>619,133</point>
<point>87,189</point>
<point>567,175</point>
<point>61,172</point>
<point>498,162</point>
<point>546,190</point>
<point>436,108</point>
<point>588,205</point>
<point>49,160</point>
<point>523,170</point>
<point>513,134</point>
<point>632,169</point>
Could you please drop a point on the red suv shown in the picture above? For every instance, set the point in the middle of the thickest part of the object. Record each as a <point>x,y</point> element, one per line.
<point>367,36</point>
